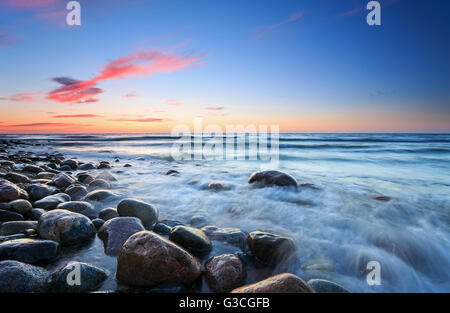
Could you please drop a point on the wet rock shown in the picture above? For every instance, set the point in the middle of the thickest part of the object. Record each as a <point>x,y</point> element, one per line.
<point>9,216</point>
<point>86,166</point>
<point>65,168</point>
<point>18,277</point>
<point>45,175</point>
<point>35,214</point>
<point>270,248</point>
<point>91,277</point>
<point>33,169</point>
<point>147,213</point>
<point>192,239</point>
<point>16,227</point>
<point>9,191</point>
<point>103,165</point>
<point>106,176</point>
<point>147,259</point>
<point>100,195</point>
<point>270,178</point>
<point>116,231</point>
<point>281,283</point>
<point>232,236</point>
<point>108,213</point>
<point>224,273</point>
<point>127,165</point>
<point>85,178</point>
<point>382,198</point>
<point>63,180</point>
<point>98,223</point>
<point>73,164</point>
<point>217,187</point>
<point>39,191</point>
<point>326,286</point>
<point>16,178</point>
<point>76,192</point>
<point>81,207</point>
<point>29,250</point>
<point>20,206</point>
<point>5,163</point>
<point>99,184</point>
<point>65,227</point>
<point>172,173</point>
<point>162,229</point>
<point>171,223</point>
<point>198,221</point>
<point>51,202</point>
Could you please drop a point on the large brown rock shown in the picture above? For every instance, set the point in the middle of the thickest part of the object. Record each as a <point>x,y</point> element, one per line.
<point>116,231</point>
<point>271,249</point>
<point>9,191</point>
<point>224,272</point>
<point>281,283</point>
<point>147,259</point>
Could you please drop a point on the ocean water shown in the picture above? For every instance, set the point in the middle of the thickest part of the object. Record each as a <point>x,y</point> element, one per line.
<point>338,226</point>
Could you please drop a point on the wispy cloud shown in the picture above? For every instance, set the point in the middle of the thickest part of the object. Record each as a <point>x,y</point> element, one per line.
<point>271,28</point>
<point>26,4</point>
<point>173,102</point>
<point>140,120</point>
<point>144,63</point>
<point>76,116</point>
<point>45,125</point>
<point>22,97</point>
<point>129,95</point>
<point>214,108</point>
<point>7,40</point>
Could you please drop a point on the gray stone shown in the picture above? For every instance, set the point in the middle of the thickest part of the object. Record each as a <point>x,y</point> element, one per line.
<point>18,277</point>
<point>270,178</point>
<point>326,286</point>
<point>116,231</point>
<point>51,202</point>
<point>39,191</point>
<point>9,216</point>
<point>16,227</point>
<point>192,239</point>
<point>100,195</point>
<point>272,249</point>
<point>63,180</point>
<point>91,278</point>
<point>81,207</point>
<point>108,213</point>
<point>29,250</point>
<point>76,192</point>
<point>17,178</point>
<point>147,213</point>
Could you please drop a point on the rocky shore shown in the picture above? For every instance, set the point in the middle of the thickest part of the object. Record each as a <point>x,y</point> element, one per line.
<point>49,203</point>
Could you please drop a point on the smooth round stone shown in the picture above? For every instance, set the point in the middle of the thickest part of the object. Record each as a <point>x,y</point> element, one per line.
<point>20,206</point>
<point>45,175</point>
<point>76,192</point>
<point>39,191</point>
<point>16,227</point>
<point>224,273</point>
<point>192,239</point>
<point>99,184</point>
<point>65,227</point>
<point>103,166</point>
<point>116,231</point>
<point>233,236</point>
<point>281,283</point>
<point>73,164</point>
<point>85,178</point>
<point>91,277</point>
<point>147,259</point>
<point>33,169</point>
<point>214,186</point>
<point>98,223</point>
<point>35,214</point>
<point>86,166</point>
<point>272,249</point>
<point>9,216</point>
<point>326,286</point>
<point>18,277</point>
<point>198,221</point>
<point>108,213</point>
<point>162,229</point>
<point>17,178</point>
<point>51,202</point>
<point>106,176</point>
<point>271,178</point>
<point>81,207</point>
<point>147,213</point>
<point>63,180</point>
<point>100,195</point>
<point>9,191</point>
<point>29,250</point>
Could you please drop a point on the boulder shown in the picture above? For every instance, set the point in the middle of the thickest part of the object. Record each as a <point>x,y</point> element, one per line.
<point>326,286</point>
<point>281,283</point>
<point>29,250</point>
<point>147,213</point>
<point>85,178</point>
<point>16,178</point>
<point>18,277</point>
<point>99,184</point>
<point>91,277</point>
<point>16,227</point>
<point>147,259</point>
<point>39,191</point>
<point>63,180</point>
<point>272,249</point>
<point>192,239</point>
<point>76,192</point>
<point>224,273</point>
<point>81,207</point>
<point>20,206</point>
<point>86,166</point>
<point>65,227</point>
<point>35,214</point>
<point>70,162</point>
<point>45,175</point>
<point>108,213</point>
<point>270,178</point>
<point>233,236</point>
<point>9,191</point>
<point>100,195</point>
<point>51,202</point>
<point>33,169</point>
<point>198,221</point>
<point>116,231</point>
<point>9,216</point>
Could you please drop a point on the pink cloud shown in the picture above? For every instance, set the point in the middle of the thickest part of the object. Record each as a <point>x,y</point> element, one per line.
<point>144,63</point>
<point>44,125</point>
<point>6,40</point>
<point>173,102</point>
<point>129,95</point>
<point>22,97</point>
<point>212,108</point>
<point>76,116</point>
<point>292,18</point>
<point>140,120</point>
<point>26,4</point>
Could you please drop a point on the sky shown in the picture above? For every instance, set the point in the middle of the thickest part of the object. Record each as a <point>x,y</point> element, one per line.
<point>137,66</point>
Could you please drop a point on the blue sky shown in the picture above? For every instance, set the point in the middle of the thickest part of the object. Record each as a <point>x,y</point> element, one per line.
<point>305,65</point>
